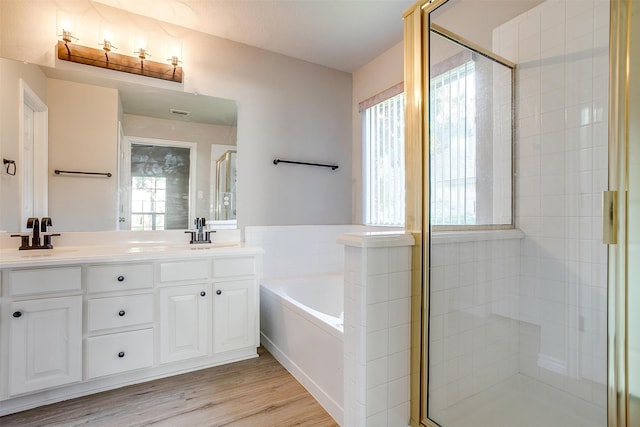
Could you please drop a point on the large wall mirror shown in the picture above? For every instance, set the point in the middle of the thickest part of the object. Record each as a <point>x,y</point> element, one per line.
<point>163,148</point>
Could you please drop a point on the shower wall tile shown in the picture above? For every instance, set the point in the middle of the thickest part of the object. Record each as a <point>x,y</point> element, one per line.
<point>473,334</point>
<point>562,282</point>
<point>377,335</point>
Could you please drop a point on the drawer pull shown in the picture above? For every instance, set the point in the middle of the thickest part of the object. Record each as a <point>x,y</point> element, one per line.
<point>17,314</point>
<point>120,278</point>
<point>218,292</point>
<point>121,354</point>
<point>121,313</point>
<point>203,293</point>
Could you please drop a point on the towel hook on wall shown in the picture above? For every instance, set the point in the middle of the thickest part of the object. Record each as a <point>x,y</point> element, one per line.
<point>10,166</point>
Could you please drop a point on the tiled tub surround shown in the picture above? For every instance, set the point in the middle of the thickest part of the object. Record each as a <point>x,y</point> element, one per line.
<point>292,250</point>
<point>374,363</point>
<point>377,328</point>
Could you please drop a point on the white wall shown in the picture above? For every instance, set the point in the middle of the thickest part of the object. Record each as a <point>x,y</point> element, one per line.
<point>10,74</point>
<point>287,108</point>
<point>385,71</point>
<point>83,136</point>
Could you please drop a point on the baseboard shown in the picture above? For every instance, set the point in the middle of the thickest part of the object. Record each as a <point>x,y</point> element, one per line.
<point>331,406</point>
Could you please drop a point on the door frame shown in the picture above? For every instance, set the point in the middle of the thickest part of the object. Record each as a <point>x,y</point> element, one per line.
<point>125,174</point>
<point>40,170</point>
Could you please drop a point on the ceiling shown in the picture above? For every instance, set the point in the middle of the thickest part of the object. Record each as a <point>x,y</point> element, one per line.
<point>339,34</point>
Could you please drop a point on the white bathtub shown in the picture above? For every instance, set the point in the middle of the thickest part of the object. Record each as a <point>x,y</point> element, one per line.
<point>301,325</point>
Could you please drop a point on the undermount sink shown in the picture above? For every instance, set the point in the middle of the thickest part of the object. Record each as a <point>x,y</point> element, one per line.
<point>37,253</point>
<point>166,248</point>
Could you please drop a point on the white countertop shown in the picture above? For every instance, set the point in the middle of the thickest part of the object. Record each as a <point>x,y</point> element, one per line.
<point>11,258</point>
<point>80,249</point>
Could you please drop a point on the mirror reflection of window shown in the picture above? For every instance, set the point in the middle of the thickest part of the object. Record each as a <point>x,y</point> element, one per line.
<point>159,187</point>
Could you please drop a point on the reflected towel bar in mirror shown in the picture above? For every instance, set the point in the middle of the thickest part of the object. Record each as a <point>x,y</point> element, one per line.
<point>333,167</point>
<point>107,174</point>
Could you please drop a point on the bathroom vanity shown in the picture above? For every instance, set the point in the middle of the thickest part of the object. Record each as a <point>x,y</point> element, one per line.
<point>79,320</point>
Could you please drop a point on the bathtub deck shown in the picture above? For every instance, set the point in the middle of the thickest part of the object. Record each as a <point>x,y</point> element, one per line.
<point>255,392</point>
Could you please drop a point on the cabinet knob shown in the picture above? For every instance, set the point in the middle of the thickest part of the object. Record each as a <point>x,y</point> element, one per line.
<point>218,292</point>
<point>121,313</point>
<point>121,354</point>
<point>120,278</point>
<point>17,314</point>
<point>203,293</point>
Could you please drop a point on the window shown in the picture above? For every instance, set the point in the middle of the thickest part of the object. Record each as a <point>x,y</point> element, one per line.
<point>148,201</point>
<point>453,146</point>
<point>470,137</point>
<point>383,165</point>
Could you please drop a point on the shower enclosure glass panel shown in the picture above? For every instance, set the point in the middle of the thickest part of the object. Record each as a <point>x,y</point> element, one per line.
<point>226,178</point>
<point>633,215</point>
<point>517,317</point>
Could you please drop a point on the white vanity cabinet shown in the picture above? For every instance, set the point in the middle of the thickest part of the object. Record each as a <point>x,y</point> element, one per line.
<point>42,315</point>
<point>120,318</point>
<point>185,322</point>
<point>79,326</point>
<point>235,304</point>
<point>235,315</point>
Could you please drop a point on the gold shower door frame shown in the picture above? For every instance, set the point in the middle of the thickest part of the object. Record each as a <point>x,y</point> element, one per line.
<point>416,76</point>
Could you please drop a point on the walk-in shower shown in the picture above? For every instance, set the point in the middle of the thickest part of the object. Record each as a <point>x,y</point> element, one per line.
<point>517,109</point>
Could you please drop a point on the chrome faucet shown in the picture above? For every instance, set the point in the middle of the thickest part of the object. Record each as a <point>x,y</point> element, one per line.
<point>37,226</point>
<point>200,235</point>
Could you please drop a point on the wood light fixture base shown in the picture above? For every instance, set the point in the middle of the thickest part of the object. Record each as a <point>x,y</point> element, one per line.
<point>114,61</point>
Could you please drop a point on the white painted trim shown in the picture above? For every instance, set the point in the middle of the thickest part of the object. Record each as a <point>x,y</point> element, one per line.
<point>193,157</point>
<point>376,239</point>
<point>40,150</point>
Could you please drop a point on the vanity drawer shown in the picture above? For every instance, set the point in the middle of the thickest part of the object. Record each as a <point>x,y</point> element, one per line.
<point>184,270</point>
<point>233,267</point>
<point>44,280</point>
<point>114,353</point>
<point>122,277</point>
<point>118,312</point>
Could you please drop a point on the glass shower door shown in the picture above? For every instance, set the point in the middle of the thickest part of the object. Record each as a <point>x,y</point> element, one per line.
<point>517,326</point>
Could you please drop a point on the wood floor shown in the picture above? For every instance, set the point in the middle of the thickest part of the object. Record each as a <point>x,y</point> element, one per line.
<point>257,392</point>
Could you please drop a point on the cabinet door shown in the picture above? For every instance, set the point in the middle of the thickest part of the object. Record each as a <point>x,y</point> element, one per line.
<point>46,343</point>
<point>185,319</point>
<point>235,315</point>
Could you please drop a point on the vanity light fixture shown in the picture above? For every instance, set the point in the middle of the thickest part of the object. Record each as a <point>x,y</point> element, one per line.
<point>107,44</point>
<point>67,37</point>
<point>106,58</point>
<point>142,53</point>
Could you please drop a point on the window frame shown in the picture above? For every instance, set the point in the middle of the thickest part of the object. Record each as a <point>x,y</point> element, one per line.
<point>384,96</point>
<point>475,48</point>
